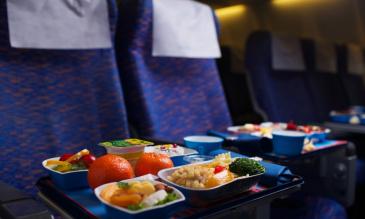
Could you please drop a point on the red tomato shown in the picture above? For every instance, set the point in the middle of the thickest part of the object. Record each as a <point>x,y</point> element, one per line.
<point>65,157</point>
<point>88,159</point>
<point>291,126</point>
<point>218,169</point>
<point>307,129</point>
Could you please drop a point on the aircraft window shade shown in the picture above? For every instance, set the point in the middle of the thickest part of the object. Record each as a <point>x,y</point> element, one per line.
<point>325,57</point>
<point>62,24</point>
<point>287,53</point>
<point>355,60</point>
<point>185,29</point>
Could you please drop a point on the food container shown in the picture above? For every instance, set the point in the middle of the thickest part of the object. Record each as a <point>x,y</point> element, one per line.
<point>341,118</point>
<point>160,211</point>
<point>203,144</point>
<point>130,152</point>
<point>318,136</point>
<point>196,158</point>
<point>358,109</point>
<point>203,197</point>
<point>68,180</point>
<point>288,143</point>
<point>362,118</point>
<point>175,152</point>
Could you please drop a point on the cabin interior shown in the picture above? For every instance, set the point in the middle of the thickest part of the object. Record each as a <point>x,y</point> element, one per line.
<point>281,82</point>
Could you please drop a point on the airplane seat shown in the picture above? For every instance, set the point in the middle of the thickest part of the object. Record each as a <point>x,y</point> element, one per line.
<point>264,78</point>
<point>237,93</point>
<point>351,69</point>
<point>280,91</point>
<point>54,102</point>
<point>167,98</point>
<point>324,81</point>
<point>307,207</point>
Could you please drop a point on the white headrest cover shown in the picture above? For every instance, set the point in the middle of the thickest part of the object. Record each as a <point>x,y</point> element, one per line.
<point>355,60</point>
<point>325,57</point>
<point>184,28</point>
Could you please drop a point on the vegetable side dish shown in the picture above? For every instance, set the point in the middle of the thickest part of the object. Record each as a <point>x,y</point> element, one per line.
<point>137,195</point>
<point>72,162</point>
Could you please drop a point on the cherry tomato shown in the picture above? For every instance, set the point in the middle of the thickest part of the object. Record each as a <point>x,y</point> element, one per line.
<point>307,129</point>
<point>88,159</point>
<point>65,157</point>
<point>291,126</point>
<point>218,169</point>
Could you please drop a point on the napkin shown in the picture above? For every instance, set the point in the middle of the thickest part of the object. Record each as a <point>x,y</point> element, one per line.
<point>61,24</point>
<point>184,28</point>
<point>246,143</point>
<point>274,174</point>
<point>234,137</point>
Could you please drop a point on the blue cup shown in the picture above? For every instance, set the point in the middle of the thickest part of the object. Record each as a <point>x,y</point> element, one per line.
<point>341,118</point>
<point>203,144</point>
<point>288,143</point>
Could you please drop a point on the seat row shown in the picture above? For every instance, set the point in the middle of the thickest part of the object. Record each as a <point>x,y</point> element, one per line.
<point>302,79</point>
<point>54,102</point>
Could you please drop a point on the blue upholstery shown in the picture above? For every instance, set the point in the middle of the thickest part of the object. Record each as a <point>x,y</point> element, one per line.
<point>282,95</point>
<point>312,207</point>
<point>52,102</point>
<point>327,89</point>
<point>285,95</point>
<point>353,83</point>
<point>167,98</point>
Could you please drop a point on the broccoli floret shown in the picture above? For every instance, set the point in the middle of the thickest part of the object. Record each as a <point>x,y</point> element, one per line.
<point>244,166</point>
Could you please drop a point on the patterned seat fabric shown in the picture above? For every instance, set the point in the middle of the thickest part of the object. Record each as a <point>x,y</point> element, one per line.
<point>53,102</point>
<point>326,87</point>
<point>167,98</point>
<point>282,95</point>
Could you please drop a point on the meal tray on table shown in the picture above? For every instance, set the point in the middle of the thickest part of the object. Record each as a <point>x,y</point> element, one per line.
<point>343,127</point>
<point>84,204</point>
<point>320,148</point>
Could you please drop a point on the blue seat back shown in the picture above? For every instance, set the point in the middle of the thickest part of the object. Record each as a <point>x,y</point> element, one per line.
<point>326,87</point>
<point>282,94</point>
<point>167,98</point>
<point>352,81</point>
<point>54,102</point>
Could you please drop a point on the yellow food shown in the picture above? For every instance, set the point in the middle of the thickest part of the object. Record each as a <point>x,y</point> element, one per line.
<point>78,155</point>
<point>202,175</point>
<point>124,199</point>
<point>192,176</point>
<point>221,160</point>
<point>108,192</point>
<point>142,188</point>
<point>56,162</point>
<point>219,179</point>
<point>131,193</point>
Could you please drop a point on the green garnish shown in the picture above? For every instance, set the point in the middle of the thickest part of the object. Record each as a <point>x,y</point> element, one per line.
<point>244,166</point>
<point>135,207</point>
<point>169,198</point>
<point>78,166</point>
<point>106,144</point>
<point>70,167</point>
<point>125,143</point>
<point>123,185</point>
<point>120,143</point>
